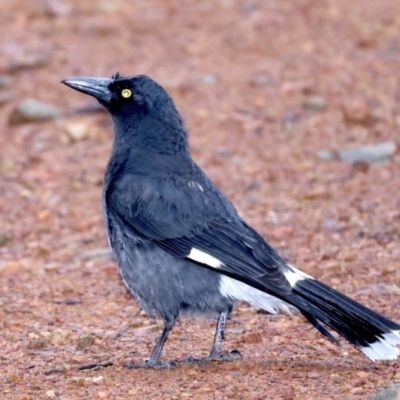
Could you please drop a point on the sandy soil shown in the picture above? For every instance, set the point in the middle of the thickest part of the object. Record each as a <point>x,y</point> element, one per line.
<point>240,73</point>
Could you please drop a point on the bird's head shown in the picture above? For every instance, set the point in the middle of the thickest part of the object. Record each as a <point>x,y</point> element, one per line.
<point>130,101</point>
<point>123,94</point>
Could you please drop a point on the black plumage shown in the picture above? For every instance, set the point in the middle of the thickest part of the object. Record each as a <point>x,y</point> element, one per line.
<point>181,245</point>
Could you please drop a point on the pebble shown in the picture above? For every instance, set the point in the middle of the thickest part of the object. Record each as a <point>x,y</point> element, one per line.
<point>357,390</point>
<point>97,379</point>
<point>315,104</point>
<point>362,374</point>
<point>76,131</point>
<point>59,335</point>
<point>371,154</point>
<point>356,111</point>
<point>390,393</point>
<point>261,80</point>
<point>25,62</point>
<point>210,79</point>
<point>115,336</point>
<point>31,110</point>
<point>4,238</point>
<point>252,338</point>
<point>85,341</point>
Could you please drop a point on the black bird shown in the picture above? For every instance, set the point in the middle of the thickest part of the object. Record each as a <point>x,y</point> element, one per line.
<point>182,247</point>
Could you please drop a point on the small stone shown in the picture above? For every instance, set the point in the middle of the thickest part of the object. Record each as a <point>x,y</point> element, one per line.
<point>37,343</point>
<point>27,61</point>
<point>315,193</point>
<point>357,390</point>
<point>85,341</point>
<point>371,154</point>
<point>43,215</point>
<point>51,393</point>
<point>59,335</point>
<point>313,375</point>
<point>13,378</point>
<point>362,374</point>
<point>328,155</point>
<point>4,238</point>
<point>210,79</point>
<point>115,336</point>
<point>97,379</point>
<point>315,104</point>
<point>31,110</point>
<point>390,393</point>
<point>261,80</point>
<point>77,381</point>
<point>356,111</point>
<point>77,131</point>
<point>252,338</point>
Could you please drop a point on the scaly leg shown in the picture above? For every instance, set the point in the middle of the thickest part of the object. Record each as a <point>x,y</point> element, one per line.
<point>154,360</point>
<point>215,353</point>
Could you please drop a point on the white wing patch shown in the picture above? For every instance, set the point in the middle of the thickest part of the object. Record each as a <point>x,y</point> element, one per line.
<point>237,290</point>
<point>204,258</point>
<point>294,275</point>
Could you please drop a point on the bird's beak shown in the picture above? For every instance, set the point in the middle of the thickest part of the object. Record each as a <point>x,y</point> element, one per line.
<point>96,87</point>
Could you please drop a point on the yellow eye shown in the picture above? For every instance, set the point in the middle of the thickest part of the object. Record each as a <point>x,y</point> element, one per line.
<point>126,93</point>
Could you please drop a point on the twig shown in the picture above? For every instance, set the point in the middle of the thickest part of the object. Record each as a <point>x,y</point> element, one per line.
<point>95,366</point>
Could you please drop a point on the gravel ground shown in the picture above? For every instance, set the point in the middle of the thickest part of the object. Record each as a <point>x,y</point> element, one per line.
<point>264,87</point>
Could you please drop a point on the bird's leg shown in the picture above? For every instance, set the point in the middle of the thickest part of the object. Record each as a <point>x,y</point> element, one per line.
<point>215,353</point>
<point>154,360</point>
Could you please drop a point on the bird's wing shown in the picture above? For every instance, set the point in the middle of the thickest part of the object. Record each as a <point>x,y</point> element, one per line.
<point>195,221</point>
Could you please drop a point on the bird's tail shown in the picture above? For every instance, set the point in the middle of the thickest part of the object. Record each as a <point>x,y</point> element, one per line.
<point>374,334</point>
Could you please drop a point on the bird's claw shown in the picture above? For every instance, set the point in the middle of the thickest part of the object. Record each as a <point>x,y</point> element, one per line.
<point>152,365</point>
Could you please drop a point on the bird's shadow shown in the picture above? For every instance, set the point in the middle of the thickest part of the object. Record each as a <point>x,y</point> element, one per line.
<point>333,366</point>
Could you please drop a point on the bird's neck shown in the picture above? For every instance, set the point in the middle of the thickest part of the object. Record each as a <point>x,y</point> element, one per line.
<point>150,147</point>
<point>151,135</point>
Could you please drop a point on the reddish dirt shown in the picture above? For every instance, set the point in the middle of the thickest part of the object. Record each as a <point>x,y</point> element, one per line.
<point>239,72</point>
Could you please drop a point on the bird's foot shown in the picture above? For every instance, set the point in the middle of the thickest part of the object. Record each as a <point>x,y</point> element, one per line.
<point>233,355</point>
<point>149,364</point>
